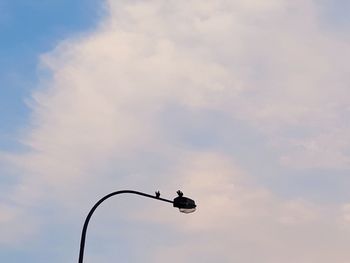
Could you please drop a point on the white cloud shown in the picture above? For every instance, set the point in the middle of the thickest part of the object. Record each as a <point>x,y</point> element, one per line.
<point>99,122</point>
<point>15,225</point>
<point>345,216</point>
<point>239,221</point>
<point>270,64</point>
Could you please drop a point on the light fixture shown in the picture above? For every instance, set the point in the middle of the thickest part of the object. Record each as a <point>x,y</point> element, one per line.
<point>185,204</point>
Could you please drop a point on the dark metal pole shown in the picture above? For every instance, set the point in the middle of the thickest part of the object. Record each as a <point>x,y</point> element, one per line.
<point>83,233</point>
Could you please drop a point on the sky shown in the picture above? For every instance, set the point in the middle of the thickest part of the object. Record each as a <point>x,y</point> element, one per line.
<point>243,105</point>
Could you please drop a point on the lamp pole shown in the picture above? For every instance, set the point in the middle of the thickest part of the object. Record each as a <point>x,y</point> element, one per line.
<point>186,205</point>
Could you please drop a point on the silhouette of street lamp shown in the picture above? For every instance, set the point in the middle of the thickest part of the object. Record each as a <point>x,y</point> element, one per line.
<point>185,205</point>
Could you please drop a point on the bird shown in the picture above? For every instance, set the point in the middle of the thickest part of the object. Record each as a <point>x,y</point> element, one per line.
<point>180,193</point>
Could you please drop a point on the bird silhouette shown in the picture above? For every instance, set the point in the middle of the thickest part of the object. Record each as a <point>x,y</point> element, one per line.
<point>180,193</point>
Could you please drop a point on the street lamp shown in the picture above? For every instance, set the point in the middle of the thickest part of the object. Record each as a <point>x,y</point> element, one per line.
<point>185,205</point>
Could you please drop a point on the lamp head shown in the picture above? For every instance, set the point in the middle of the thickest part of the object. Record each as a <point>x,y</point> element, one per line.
<point>185,205</point>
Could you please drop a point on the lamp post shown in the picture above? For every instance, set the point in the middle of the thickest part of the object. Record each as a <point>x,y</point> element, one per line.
<point>185,205</point>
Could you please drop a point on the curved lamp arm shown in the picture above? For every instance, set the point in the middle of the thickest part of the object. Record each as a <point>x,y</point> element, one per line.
<point>185,205</point>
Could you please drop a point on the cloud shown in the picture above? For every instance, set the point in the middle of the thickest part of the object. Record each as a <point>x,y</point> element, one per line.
<point>13,229</point>
<point>345,216</point>
<point>105,119</point>
<point>272,65</point>
<point>238,220</point>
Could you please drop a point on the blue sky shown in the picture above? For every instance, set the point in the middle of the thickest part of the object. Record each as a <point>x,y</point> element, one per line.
<point>242,104</point>
<point>29,29</point>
